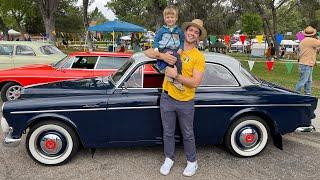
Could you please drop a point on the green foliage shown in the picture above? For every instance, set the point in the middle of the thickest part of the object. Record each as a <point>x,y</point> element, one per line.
<point>69,17</point>
<point>97,16</point>
<point>251,23</point>
<point>289,19</point>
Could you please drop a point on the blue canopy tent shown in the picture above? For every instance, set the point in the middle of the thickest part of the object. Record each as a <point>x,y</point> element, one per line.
<point>116,26</point>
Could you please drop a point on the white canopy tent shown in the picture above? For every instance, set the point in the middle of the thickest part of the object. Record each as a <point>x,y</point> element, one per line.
<point>13,32</point>
<point>126,38</point>
<point>289,45</point>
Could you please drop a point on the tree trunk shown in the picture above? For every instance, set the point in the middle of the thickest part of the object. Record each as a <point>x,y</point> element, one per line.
<point>5,29</point>
<point>274,23</point>
<point>86,24</point>
<point>47,9</point>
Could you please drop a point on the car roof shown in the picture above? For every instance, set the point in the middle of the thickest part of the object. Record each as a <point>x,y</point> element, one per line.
<point>223,59</point>
<point>28,43</point>
<point>95,53</point>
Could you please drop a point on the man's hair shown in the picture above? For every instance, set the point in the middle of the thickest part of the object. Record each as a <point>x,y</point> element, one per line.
<point>172,10</point>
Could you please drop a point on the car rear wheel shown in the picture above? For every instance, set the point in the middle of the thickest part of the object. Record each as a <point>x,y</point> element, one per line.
<point>51,143</point>
<point>10,91</point>
<point>247,136</point>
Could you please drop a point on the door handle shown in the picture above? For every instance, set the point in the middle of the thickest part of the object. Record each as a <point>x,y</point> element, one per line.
<point>92,105</point>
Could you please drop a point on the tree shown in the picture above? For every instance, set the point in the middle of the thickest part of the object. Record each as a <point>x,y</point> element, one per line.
<point>86,23</point>
<point>251,23</point>
<point>147,13</point>
<point>47,9</point>
<point>68,17</point>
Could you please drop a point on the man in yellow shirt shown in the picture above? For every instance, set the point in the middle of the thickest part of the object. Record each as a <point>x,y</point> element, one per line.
<point>308,51</point>
<point>175,103</point>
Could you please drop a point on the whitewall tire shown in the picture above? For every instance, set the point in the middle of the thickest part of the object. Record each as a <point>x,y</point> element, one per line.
<point>51,143</point>
<point>247,136</point>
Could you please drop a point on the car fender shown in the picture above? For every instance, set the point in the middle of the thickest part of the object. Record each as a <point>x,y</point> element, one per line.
<point>276,136</point>
<point>257,112</point>
<point>58,117</point>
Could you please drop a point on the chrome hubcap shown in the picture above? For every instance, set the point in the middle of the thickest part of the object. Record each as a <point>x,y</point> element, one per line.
<point>51,144</point>
<point>248,137</point>
<point>13,92</point>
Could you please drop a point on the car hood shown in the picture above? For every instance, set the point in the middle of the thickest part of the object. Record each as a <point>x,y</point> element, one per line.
<point>31,68</point>
<point>79,87</point>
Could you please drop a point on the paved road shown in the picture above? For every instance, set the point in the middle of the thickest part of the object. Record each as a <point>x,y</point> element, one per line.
<point>300,159</point>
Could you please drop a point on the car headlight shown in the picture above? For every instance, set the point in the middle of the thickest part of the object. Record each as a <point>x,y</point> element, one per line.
<point>4,125</point>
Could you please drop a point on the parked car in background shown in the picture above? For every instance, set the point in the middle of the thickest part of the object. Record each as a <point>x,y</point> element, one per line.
<point>76,65</point>
<point>19,53</point>
<point>231,107</point>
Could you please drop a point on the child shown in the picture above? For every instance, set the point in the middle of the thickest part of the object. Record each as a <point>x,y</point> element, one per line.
<point>170,38</point>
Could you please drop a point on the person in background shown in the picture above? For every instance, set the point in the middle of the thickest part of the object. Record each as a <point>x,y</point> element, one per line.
<point>308,51</point>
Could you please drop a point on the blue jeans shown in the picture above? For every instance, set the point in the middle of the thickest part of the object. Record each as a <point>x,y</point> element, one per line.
<point>305,79</point>
<point>171,110</point>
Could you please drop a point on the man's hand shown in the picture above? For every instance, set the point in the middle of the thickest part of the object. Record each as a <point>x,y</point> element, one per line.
<point>172,72</point>
<point>168,58</point>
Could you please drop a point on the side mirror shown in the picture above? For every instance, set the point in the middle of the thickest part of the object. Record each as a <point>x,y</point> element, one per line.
<point>124,87</point>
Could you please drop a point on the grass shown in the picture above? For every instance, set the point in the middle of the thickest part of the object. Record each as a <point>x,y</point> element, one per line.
<point>279,74</point>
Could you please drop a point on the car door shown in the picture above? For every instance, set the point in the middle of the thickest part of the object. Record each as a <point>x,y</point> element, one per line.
<point>135,112</point>
<point>215,102</point>
<point>25,55</point>
<point>6,54</point>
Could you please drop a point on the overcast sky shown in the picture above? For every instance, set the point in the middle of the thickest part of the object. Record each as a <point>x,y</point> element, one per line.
<point>100,4</point>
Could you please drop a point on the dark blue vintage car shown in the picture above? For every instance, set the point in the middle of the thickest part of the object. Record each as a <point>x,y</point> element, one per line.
<point>232,107</point>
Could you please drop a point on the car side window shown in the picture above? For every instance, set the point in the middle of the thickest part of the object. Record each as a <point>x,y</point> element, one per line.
<point>6,49</point>
<point>136,80</point>
<point>218,75</point>
<point>84,62</point>
<point>110,62</point>
<point>24,51</point>
<point>146,76</point>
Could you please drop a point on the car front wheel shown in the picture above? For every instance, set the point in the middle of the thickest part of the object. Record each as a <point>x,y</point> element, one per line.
<point>51,143</point>
<point>247,136</point>
<point>10,91</point>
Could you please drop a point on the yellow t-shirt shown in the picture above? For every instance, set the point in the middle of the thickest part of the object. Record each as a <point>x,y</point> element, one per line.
<point>191,59</point>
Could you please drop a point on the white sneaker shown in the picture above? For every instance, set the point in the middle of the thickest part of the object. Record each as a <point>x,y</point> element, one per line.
<point>191,168</point>
<point>166,166</point>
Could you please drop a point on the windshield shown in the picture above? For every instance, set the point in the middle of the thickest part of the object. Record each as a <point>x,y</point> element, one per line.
<point>250,76</point>
<point>117,76</point>
<point>61,62</point>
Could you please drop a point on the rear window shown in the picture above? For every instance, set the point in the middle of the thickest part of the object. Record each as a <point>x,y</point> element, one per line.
<point>49,49</point>
<point>110,62</point>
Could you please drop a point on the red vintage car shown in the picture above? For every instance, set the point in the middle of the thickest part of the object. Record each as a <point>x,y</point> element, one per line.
<point>75,66</point>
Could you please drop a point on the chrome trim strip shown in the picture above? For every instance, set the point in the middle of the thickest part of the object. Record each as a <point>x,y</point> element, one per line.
<point>62,110</point>
<point>2,106</point>
<point>129,108</point>
<point>255,105</point>
<point>226,105</point>
<point>9,141</point>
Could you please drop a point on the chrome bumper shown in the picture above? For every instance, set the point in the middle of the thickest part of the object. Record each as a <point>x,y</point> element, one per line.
<point>7,131</point>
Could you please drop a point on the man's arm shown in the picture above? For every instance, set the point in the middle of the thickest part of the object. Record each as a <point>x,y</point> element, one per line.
<point>192,82</point>
<point>167,57</point>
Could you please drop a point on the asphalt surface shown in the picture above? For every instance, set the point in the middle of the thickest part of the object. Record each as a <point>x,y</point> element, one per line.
<point>300,159</point>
